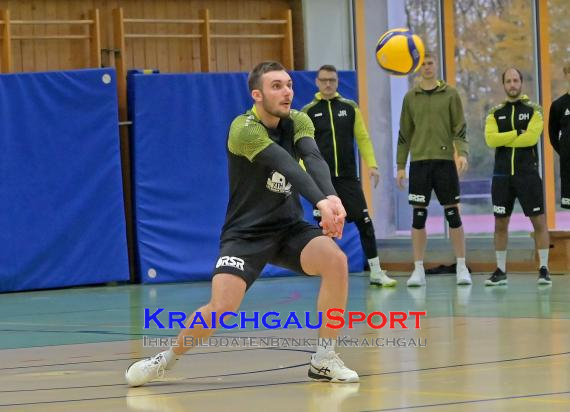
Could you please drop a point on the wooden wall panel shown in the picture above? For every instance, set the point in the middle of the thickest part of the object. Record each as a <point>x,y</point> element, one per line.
<point>222,46</point>
<point>192,48</point>
<point>62,48</point>
<point>168,55</point>
<point>298,34</point>
<point>28,62</point>
<point>52,47</point>
<point>245,49</point>
<point>78,49</point>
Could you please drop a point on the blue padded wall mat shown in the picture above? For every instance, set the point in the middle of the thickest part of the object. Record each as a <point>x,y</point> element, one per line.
<point>62,217</point>
<point>179,134</point>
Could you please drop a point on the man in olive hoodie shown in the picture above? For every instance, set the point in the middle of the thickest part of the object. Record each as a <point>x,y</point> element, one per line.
<point>432,129</point>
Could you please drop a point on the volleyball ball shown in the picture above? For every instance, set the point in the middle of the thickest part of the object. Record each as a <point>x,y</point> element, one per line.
<point>400,52</point>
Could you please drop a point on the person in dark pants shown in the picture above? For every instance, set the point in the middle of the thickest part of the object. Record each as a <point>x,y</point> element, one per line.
<point>432,130</point>
<point>513,128</point>
<point>559,133</point>
<point>338,123</point>
<point>265,223</point>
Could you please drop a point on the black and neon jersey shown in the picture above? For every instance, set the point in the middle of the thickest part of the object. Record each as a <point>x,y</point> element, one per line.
<point>262,199</point>
<point>338,122</point>
<point>513,129</point>
<point>559,125</point>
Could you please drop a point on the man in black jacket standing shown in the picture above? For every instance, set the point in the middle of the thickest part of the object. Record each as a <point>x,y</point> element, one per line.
<point>338,123</point>
<point>513,128</point>
<point>559,133</point>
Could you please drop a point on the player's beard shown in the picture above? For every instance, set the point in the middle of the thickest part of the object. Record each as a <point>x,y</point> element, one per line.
<point>513,94</point>
<point>276,111</point>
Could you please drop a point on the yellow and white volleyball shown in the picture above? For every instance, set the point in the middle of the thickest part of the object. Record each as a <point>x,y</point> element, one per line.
<point>400,52</point>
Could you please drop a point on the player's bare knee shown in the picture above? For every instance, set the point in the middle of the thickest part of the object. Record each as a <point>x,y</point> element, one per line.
<point>335,263</point>
<point>339,260</point>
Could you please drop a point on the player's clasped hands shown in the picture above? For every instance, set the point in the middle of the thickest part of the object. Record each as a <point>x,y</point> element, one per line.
<point>332,216</point>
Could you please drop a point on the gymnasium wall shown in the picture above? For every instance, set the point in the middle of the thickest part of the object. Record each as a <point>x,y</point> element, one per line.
<point>62,220</point>
<point>165,54</point>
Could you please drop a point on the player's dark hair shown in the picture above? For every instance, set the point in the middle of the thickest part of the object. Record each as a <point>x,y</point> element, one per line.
<point>254,78</point>
<point>327,68</point>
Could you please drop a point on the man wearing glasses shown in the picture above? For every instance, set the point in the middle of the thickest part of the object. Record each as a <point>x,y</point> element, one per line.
<point>338,122</point>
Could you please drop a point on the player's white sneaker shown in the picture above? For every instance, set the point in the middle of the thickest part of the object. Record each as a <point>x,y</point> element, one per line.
<point>463,276</point>
<point>329,368</point>
<point>146,370</point>
<point>381,278</point>
<point>418,278</point>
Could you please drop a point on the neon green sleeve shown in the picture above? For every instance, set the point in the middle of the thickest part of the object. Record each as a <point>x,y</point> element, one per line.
<point>363,139</point>
<point>492,135</point>
<point>247,137</point>
<point>303,126</point>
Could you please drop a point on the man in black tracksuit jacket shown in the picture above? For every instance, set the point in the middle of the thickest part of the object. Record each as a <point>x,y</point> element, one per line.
<point>338,123</point>
<point>513,128</point>
<point>559,133</point>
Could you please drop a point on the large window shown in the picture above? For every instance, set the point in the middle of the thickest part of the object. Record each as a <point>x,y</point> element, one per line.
<point>491,35</point>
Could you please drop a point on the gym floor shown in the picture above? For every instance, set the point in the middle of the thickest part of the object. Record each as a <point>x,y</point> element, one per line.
<point>482,349</point>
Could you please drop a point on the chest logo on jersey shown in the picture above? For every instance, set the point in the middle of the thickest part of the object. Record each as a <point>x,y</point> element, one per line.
<point>524,116</point>
<point>318,115</point>
<point>342,113</point>
<point>277,183</point>
<point>567,112</point>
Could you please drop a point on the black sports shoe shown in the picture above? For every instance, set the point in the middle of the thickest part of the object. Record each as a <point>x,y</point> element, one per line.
<point>544,276</point>
<point>498,278</point>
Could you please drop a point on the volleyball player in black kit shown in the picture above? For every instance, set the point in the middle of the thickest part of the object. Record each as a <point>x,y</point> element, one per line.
<point>264,221</point>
